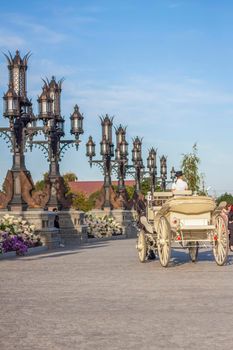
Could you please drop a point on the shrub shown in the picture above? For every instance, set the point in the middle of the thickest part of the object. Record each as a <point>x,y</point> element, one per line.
<point>105,226</point>
<point>81,202</point>
<point>16,234</point>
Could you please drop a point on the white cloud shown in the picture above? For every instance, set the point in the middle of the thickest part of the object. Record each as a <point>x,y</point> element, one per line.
<point>10,41</point>
<point>43,33</point>
<point>148,98</point>
<point>35,30</point>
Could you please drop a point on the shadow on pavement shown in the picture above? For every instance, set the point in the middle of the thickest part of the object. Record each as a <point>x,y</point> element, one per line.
<point>56,253</point>
<point>179,257</point>
<point>47,256</point>
<point>93,245</point>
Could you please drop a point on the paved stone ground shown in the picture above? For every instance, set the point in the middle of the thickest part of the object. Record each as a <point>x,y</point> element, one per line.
<point>101,297</point>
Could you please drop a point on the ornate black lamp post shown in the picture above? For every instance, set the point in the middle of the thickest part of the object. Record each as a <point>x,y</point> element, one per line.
<point>22,128</point>
<point>107,152</point>
<point>22,124</point>
<point>121,154</point>
<point>53,129</point>
<point>173,174</point>
<point>137,162</point>
<point>163,172</point>
<point>151,165</point>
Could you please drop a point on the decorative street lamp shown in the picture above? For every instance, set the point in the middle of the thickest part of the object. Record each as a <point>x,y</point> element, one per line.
<point>173,174</point>
<point>120,163</point>
<point>137,162</point>
<point>163,172</point>
<point>90,146</point>
<point>22,129</point>
<point>121,154</point>
<point>107,152</point>
<point>22,125</point>
<point>151,165</point>
<point>53,128</point>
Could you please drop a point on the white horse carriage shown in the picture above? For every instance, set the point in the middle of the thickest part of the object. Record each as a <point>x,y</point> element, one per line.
<point>183,221</point>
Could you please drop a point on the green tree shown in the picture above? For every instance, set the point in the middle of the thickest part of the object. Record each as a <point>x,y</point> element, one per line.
<point>130,191</point>
<point>69,177</point>
<point>115,187</point>
<point>81,202</point>
<point>189,165</point>
<point>40,185</point>
<point>226,197</point>
<point>145,186</point>
<point>93,197</point>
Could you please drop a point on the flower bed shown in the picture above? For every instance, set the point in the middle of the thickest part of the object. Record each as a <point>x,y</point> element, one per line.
<point>98,227</point>
<point>16,234</point>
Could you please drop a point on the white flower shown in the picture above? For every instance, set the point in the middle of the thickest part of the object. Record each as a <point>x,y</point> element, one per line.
<point>6,216</point>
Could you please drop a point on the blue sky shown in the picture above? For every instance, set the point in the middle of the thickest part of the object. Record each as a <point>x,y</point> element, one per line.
<point>163,68</point>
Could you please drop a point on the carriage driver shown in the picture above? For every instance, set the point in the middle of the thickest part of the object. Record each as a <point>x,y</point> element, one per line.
<point>179,184</point>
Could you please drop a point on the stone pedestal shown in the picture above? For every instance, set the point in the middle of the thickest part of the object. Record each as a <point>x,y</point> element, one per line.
<point>72,229</point>
<point>127,219</point>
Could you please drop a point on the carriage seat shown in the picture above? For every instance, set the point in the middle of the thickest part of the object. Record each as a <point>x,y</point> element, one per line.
<point>182,193</point>
<point>189,205</point>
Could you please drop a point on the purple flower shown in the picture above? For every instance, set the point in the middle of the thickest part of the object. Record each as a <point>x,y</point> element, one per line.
<point>4,235</point>
<point>14,243</point>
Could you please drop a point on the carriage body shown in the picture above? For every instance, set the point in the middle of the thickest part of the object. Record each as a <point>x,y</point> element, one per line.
<point>185,221</point>
<point>190,218</point>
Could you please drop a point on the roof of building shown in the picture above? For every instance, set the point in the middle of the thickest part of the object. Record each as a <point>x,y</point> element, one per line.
<point>89,187</point>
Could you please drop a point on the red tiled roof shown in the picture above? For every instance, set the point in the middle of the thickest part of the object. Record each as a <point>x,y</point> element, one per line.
<point>89,187</point>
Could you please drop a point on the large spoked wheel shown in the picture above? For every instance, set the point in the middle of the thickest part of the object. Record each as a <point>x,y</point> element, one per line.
<point>221,241</point>
<point>164,241</point>
<point>193,252</point>
<point>142,246</point>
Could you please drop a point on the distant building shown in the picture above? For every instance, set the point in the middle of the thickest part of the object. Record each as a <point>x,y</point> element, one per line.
<point>89,187</point>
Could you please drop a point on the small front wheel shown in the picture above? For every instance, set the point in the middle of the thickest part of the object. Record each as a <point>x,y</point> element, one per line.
<point>164,241</point>
<point>142,246</point>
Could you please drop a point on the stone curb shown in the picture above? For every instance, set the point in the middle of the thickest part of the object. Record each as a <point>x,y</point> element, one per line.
<point>31,251</point>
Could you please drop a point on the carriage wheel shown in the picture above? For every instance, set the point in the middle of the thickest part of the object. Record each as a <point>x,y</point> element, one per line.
<point>221,241</point>
<point>141,246</point>
<point>193,252</point>
<point>164,241</point>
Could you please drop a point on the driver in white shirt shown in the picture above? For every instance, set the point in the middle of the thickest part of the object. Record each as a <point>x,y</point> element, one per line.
<point>180,184</point>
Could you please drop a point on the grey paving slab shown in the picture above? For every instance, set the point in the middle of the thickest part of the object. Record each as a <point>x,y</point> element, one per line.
<point>101,297</point>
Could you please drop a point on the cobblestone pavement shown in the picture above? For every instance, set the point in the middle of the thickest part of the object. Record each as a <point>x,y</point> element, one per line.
<point>101,297</point>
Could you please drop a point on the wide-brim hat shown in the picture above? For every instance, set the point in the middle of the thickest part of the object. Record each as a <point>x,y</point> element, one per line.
<point>179,173</point>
